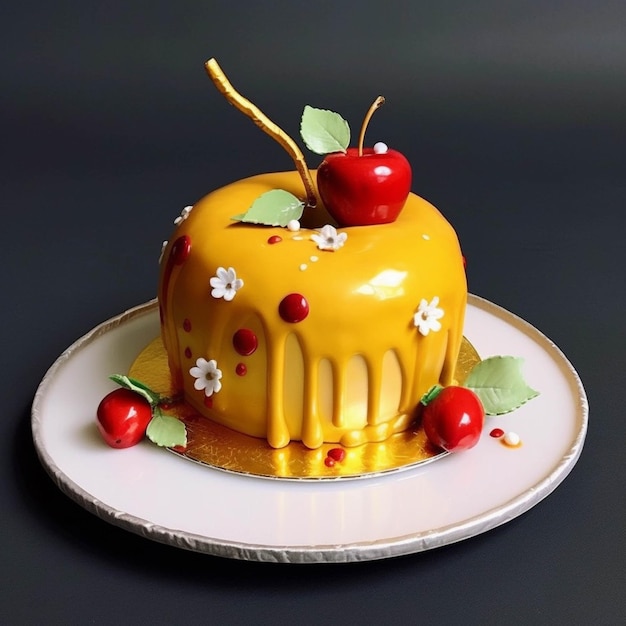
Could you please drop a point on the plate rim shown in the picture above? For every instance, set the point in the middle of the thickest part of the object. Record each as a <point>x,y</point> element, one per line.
<point>349,552</point>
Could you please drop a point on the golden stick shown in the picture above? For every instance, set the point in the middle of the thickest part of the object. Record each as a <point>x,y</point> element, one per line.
<point>375,105</point>
<point>265,124</point>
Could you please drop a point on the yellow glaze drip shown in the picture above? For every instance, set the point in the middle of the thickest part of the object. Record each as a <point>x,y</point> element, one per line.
<point>355,368</point>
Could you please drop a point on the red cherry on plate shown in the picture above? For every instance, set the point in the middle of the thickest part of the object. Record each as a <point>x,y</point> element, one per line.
<point>453,420</point>
<point>123,417</point>
<point>360,190</point>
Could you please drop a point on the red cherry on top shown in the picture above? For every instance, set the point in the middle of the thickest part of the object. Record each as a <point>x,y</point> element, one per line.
<point>360,190</point>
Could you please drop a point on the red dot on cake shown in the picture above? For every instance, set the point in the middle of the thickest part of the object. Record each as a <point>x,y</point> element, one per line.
<point>337,454</point>
<point>293,308</point>
<point>187,325</point>
<point>188,352</point>
<point>245,341</point>
<point>241,369</point>
<point>181,250</point>
<point>208,401</point>
<point>274,239</point>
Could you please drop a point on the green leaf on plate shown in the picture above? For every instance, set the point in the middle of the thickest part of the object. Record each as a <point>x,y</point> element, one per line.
<point>273,208</point>
<point>167,431</point>
<point>324,131</point>
<point>500,385</point>
<point>136,386</point>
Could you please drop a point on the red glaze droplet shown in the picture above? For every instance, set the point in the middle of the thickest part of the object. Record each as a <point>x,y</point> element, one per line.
<point>180,449</point>
<point>187,325</point>
<point>337,454</point>
<point>245,341</point>
<point>293,308</point>
<point>188,352</point>
<point>181,249</point>
<point>329,461</point>
<point>496,433</point>
<point>208,401</point>
<point>241,369</point>
<point>274,239</point>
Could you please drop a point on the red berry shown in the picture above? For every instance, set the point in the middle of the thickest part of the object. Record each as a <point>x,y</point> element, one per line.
<point>123,417</point>
<point>329,461</point>
<point>453,420</point>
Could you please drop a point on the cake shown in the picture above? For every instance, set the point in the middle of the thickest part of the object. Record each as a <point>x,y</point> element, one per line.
<point>309,344</point>
<point>312,311</point>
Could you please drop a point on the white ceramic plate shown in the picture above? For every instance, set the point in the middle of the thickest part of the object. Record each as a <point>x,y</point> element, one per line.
<point>166,498</point>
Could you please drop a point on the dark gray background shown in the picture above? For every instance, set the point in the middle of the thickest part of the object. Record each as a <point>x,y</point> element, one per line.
<point>513,117</point>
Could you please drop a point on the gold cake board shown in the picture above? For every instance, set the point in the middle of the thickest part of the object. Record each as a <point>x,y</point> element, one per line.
<point>220,447</point>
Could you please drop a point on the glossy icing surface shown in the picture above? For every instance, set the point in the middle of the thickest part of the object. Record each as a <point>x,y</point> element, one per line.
<point>312,345</point>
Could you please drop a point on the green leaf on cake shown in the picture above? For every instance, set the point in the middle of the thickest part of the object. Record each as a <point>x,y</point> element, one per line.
<point>273,208</point>
<point>167,431</point>
<point>136,386</point>
<point>500,385</point>
<point>324,131</point>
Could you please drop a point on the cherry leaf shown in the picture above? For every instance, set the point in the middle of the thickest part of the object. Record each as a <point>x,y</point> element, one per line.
<point>167,431</point>
<point>273,208</point>
<point>324,131</point>
<point>500,385</point>
<point>136,386</point>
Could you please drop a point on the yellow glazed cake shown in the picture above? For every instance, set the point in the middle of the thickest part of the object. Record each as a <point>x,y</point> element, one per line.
<point>310,311</point>
<point>313,333</point>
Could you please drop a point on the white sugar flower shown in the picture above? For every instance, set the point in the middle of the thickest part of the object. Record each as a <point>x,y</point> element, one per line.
<point>428,316</point>
<point>184,214</point>
<point>207,376</point>
<point>225,284</point>
<point>329,239</point>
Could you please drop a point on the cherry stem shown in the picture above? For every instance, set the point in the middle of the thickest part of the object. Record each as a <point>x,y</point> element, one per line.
<point>265,124</point>
<point>368,116</point>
